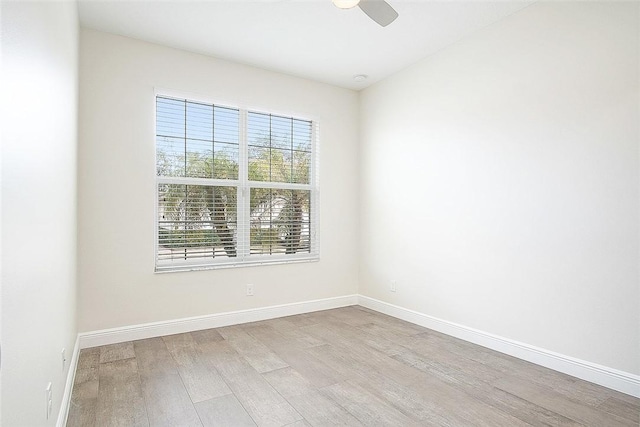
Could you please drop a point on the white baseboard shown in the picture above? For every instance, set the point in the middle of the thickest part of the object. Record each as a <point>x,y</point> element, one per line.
<point>177,326</point>
<point>68,388</point>
<point>608,377</point>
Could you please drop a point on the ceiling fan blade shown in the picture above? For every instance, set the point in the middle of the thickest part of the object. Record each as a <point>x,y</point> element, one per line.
<point>379,10</point>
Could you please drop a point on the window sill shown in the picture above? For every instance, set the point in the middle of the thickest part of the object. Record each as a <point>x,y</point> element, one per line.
<point>192,267</point>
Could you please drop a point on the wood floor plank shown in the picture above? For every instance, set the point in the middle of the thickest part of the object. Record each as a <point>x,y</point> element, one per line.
<point>475,379</point>
<point>89,358</point>
<point>305,319</point>
<point>88,365</point>
<point>450,368</point>
<point>457,402</point>
<point>364,355</point>
<point>288,382</point>
<point>585,391</point>
<point>256,353</point>
<point>310,367</point>
<point>437,407</point>
<point>342,362</point>
<point>206,335</point>
<point>437,403</point>
<point>153,356</point>
<point>294,355</point>
<point>570,387</point>
<point>375,340</point>
<point>426,409</point>
<point>515,406</point>
<point>320,410</point>
<point>350,367</point>
<point>315,407</point>
<point>367,408</point>
<point>201,379</point>
<point>168,403</point>
<point>353,368</point>
<point>379,341</point>
<point>623,408</point>
<point>631,400</point>
<point>300,423</point>
<point>223,411</point>
<point>420,350</point>
<point>268,335</point>
<point>120,399</point>
<point>291,332</point>
<point>278,323</point>
<point>84,404</point>
<point>560,404</point>
<point>112,352</point>
<point>349,316</point>
<point>263,403</point>
<point>396,325</point>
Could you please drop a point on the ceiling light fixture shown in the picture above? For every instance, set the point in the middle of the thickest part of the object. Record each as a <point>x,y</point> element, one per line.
<point>346,4</point>
<point>360,77</point>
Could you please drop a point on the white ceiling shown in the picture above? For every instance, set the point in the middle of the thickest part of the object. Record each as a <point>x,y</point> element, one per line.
<point>311,39</point>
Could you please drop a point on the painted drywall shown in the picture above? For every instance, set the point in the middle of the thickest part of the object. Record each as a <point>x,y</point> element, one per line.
<point>117,285</point>
<point>500,182</point>
<point>39,136</point>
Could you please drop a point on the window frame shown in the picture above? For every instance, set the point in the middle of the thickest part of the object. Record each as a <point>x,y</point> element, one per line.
<point>243,185</point>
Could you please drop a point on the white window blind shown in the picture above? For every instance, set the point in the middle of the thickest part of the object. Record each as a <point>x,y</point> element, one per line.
<point>234,187</point>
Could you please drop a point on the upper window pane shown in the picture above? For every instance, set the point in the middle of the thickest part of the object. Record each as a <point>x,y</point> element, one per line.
<point>259,130</point>
<point>301,135</point>
<point>226,126</point>
<point>199,121</point>
<point>279,148</point>
<point>281,131</point>
<point>196,140</point>
<point>170,117</point>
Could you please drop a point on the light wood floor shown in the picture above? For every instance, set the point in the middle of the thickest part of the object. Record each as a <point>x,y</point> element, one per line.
<point>349,366</point>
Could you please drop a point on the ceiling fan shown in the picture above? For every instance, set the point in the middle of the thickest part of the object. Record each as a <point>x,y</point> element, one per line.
<point>378,10</point>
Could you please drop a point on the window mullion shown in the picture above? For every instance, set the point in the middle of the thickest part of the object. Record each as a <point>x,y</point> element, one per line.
<point>197,181</point>
<point>244,193</point>
<point>280,185</point>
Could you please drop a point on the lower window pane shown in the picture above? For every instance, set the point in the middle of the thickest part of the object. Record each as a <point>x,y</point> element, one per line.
<point>280,221</point>
<point>196,222</point>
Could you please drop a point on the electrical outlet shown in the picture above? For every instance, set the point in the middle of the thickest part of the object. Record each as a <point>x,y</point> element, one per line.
<point>249,290</point>
<point>49,399</point>
<point>393,286</point>
<point>64,359</point>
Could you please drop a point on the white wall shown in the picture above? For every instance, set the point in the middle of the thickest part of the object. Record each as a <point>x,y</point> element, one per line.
<point>500,182</point>
<point>117,185</point>
<point>39,134</point>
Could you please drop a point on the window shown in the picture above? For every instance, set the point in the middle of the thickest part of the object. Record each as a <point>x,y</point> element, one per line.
<point>234,187</point>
